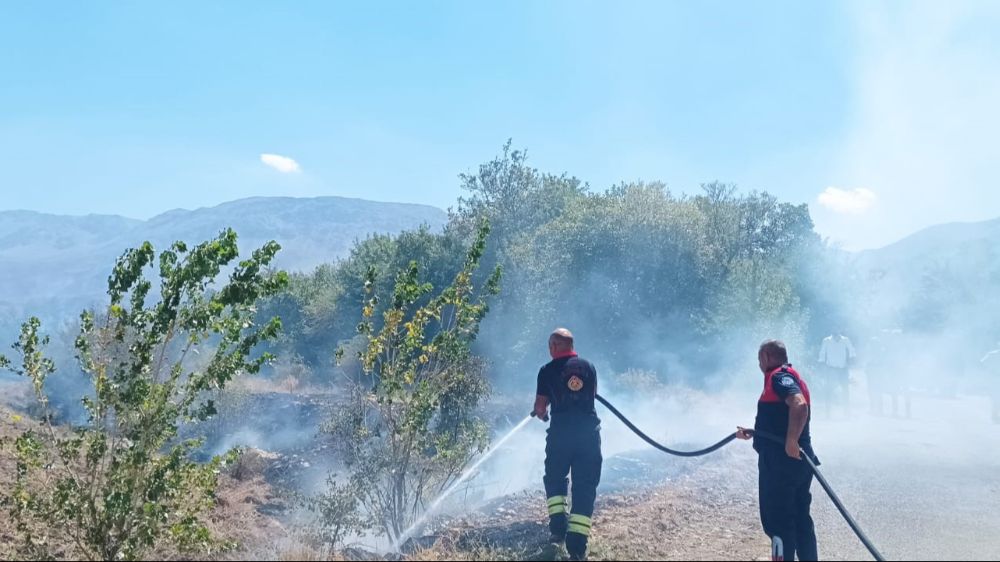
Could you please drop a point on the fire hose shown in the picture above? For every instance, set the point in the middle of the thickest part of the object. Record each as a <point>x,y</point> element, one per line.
<point>819,476</point>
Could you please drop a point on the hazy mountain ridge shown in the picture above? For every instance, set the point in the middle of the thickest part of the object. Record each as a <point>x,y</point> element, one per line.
<point>952,242</point>
<point>945,278</point>
<point>54,264</point>
<point>966,251</point>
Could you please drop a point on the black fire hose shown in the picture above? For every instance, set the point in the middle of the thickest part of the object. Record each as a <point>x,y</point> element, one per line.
<point>656,445</point>
<point>819,476</point>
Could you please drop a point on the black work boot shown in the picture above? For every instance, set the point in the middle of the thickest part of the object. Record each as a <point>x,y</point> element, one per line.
<point>576,546</point>
<point>557,528</point>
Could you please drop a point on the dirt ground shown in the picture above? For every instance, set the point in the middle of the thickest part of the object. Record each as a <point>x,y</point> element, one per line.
<point>924,488</point>
<point>706,515</point>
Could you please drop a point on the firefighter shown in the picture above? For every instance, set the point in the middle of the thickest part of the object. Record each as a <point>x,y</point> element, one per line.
<point>785,478</point>
<point>573,447</point>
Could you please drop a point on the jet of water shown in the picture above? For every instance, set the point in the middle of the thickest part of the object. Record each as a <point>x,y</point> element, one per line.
<point>461,480</point>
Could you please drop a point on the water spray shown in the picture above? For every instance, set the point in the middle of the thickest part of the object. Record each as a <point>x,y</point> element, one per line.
<point>461,480</point>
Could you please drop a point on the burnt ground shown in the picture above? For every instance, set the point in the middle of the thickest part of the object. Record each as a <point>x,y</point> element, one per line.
<point>924,489</point>
<point>700,515</point>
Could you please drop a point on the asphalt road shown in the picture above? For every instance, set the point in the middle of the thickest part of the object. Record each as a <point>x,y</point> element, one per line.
<point>926,488</point>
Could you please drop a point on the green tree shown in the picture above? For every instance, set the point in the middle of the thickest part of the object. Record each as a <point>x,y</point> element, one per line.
<point>411,425</point>
<point>118,485</point>
<point>323,308</point>
<point>636,270</point>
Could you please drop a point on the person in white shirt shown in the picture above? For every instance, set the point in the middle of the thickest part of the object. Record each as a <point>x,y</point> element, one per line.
<point>836,355</point>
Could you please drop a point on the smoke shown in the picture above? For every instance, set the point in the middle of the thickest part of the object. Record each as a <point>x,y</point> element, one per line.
<point>697,410</point>
<point>924,118</point>
<point>922,316</point>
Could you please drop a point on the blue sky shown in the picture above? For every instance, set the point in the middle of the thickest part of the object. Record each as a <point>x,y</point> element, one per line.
<point>881,116</point>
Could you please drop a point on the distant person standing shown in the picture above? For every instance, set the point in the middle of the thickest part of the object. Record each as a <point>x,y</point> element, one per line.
<point>991,363</point>
<point>573,447</point>
<point>882,358</point>
<point>878,352</point>
<point>836,355</point>
<point>783,411</point>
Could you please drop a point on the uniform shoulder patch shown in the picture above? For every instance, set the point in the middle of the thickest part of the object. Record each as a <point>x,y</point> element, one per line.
<point>786,380</point>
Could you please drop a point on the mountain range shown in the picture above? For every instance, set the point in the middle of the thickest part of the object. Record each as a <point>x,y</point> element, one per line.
<point>55,265</point>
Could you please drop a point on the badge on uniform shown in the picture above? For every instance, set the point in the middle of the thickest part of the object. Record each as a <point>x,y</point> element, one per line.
<point>787,381</point>
<point>575,383</point>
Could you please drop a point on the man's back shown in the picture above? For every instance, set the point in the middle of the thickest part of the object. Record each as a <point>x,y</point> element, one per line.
<point>570,384</point>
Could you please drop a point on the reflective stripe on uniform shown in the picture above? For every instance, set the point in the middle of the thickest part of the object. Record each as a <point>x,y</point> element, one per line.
<point>580,524</point>
<point>557,505</point>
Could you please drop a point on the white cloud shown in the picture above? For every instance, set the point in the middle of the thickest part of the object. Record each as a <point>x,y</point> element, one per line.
<point>283,164</point>
<point>847,201</point>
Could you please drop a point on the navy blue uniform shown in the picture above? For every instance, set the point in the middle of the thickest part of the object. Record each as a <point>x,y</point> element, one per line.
<point>785,498</point>
<point>573,446</point>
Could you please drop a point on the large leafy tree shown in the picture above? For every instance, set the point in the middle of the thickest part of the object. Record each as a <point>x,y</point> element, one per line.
<point>123,482</point>
<point>639,271</point>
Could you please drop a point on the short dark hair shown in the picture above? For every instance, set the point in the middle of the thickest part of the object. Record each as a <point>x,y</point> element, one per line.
<point>775,349</point>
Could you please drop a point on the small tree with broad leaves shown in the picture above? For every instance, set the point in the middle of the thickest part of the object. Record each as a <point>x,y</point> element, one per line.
<point>410,426</point>
<point>123,483</point>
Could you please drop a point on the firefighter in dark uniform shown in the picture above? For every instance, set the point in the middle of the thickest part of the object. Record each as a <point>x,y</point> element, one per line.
<point>785,478</point>
<point>569,384</point>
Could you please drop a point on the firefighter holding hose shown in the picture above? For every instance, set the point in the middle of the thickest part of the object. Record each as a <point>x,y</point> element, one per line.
<point>785,478</point>
<point>568,384</point>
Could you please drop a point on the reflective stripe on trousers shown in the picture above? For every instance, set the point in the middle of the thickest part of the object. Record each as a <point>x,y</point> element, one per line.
<point>580,524</point>
<point>557,505</point>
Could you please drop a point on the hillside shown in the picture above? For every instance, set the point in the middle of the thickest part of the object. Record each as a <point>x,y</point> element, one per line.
<point>54,265</point>
<point>945,278</point>
<point>971,245</point>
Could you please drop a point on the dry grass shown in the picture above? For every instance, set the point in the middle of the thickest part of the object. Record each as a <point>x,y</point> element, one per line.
<point>251,464</point>
<point>16,394</point>
<point>483,554</point>
<point>305,554</point>
<point>709,515</point>
<point>235,518</point>
<point>12,425</point>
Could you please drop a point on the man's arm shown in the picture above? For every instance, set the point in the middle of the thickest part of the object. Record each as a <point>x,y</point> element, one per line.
<point>541,410</point>
<point>798,416</point>
<point>541,407</point>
